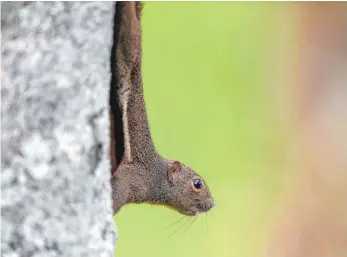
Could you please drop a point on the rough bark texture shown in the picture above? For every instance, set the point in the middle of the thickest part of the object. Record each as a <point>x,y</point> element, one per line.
<point>55,76</point>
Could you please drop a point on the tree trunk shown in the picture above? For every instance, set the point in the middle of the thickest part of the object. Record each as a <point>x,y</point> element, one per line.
<point>55,178</point>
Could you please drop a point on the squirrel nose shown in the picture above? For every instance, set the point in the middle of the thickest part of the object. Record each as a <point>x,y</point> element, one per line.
<point>206,206</point>
<point>212,203</point>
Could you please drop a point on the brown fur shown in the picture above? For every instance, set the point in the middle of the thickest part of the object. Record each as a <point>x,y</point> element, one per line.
<point>113,154</point>
<point>143,176</point>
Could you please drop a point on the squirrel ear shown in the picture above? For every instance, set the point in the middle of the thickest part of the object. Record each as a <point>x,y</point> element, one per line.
<point>174,171</point>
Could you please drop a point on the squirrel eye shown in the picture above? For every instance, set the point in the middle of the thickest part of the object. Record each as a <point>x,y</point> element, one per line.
<point>197,183</point>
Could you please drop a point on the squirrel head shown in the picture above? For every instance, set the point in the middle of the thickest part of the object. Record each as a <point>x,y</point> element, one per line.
<point>188,193</point>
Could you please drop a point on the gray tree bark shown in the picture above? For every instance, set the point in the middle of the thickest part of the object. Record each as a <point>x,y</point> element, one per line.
<point>55,76</point>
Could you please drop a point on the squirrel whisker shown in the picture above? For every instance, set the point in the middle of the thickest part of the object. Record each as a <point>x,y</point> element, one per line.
<point>191,224</point>
<point>177,221</point>
<point>186,221</point>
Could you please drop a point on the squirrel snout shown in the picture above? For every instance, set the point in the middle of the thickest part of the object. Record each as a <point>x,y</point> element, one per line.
<point>204,207</point>
<point>212,203</point>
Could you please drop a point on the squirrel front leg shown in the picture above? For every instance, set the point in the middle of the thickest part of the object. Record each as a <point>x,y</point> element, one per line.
<point>127,54</point>
<point>123,98</point>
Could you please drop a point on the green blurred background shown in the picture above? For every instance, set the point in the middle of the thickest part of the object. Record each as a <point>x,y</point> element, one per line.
<point>206,74</point>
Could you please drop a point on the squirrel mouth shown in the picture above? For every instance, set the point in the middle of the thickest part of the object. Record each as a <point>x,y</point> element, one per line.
<point>189,213</point>
<point>196,212</point>
<point>200,208</point>
<point>192,213</point>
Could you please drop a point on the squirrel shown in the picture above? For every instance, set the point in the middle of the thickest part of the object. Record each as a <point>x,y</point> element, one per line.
<point>142,175</point>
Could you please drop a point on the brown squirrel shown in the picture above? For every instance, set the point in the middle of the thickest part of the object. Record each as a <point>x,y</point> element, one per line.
<point>142,175</point>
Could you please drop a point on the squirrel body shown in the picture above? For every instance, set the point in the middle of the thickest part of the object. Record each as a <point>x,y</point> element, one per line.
<point>143,175</point>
